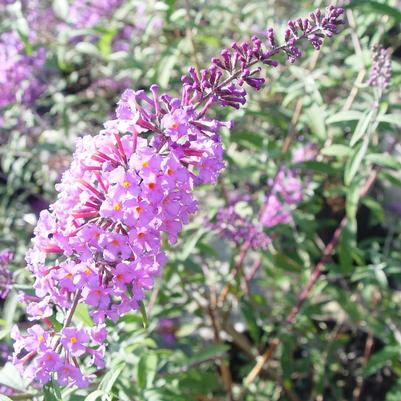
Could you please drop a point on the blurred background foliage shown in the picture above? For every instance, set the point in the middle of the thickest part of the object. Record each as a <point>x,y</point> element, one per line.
<point>345,343</point>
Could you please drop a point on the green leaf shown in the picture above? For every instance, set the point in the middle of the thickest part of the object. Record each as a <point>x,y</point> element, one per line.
<point>248,312</point>
<point>361,128</point>
<point>352,200</point>
<point>375,207</point>
<point>25,40</point>
<point>376,7</point>
<point>380,359</point>
<point>191,243</point>
<point>104,43</point>
<point>61,8</point>
<point>166,69</point>
<point>336,150</point>
<point>354,162</point>
<point>110,378</point>
<point>9,308</point>
<point>384,160</point>
<point>390,119</point>
<point>317,166</point>
<point>207,353</point>
<point>394,394</point>
<point>341,116</point>
<point>144,315</point>
<point>87,48</point>
<point>95,395</point>
<point>51,392</point>
<point>162,394</point>
<point>82,314</point>
<point>170,9</point>
<point>315,116</point>
<point>4,398</point>
<point>345,248</point>
<point>9,376</point>
<point>146,370</point>
<point>57,325</point>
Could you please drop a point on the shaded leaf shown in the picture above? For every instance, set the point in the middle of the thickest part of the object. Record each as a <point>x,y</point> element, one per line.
<point>9,376</point>
<point>146,370</point>
<point>375,6</point>
<point>51,392</point>
<point>336,150</point>
<point>110,378</point>
<point>354,162</point>
<point>207,353</point>
<point>384,160</point>
<point>390,119</point>
<point>380,359</point>
<point>341,116</point>
<point>361,128</point>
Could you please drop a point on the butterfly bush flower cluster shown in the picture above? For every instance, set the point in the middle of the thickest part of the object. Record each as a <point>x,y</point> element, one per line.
<point>127,190</point>
<point>19,71</point>
<point>231,225</point>
<point>380,74</point>
<point>286,190</point>
<point>6,256</point>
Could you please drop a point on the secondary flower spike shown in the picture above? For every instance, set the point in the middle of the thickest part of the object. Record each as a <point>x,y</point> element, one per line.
<point>100,243</point>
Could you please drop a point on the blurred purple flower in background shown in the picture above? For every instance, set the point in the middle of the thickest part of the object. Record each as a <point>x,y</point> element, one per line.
<point>286,190</point>
<point>19,71</point>
<point>88,13</point>
<point>6,257</point>
<point>167,329</point>
<point>380,74</point>
<point>231,225</point>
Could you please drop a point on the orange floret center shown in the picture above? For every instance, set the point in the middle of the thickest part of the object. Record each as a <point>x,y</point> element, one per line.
<point>73,340</point>
<point>115,242</point>
<point>145,164</point>
<point>117,206</point>
<point>152,185</point>
<point>125,184</point>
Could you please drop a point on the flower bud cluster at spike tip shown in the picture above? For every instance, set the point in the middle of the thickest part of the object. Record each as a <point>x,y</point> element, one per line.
<point>380,74</point>
<point>100,243</point>
<point>223,81</point>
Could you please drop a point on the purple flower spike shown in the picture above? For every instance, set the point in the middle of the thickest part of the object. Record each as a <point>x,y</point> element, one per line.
<point>380,74</point>
<point>100,242</point>
<point>234,62</point>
